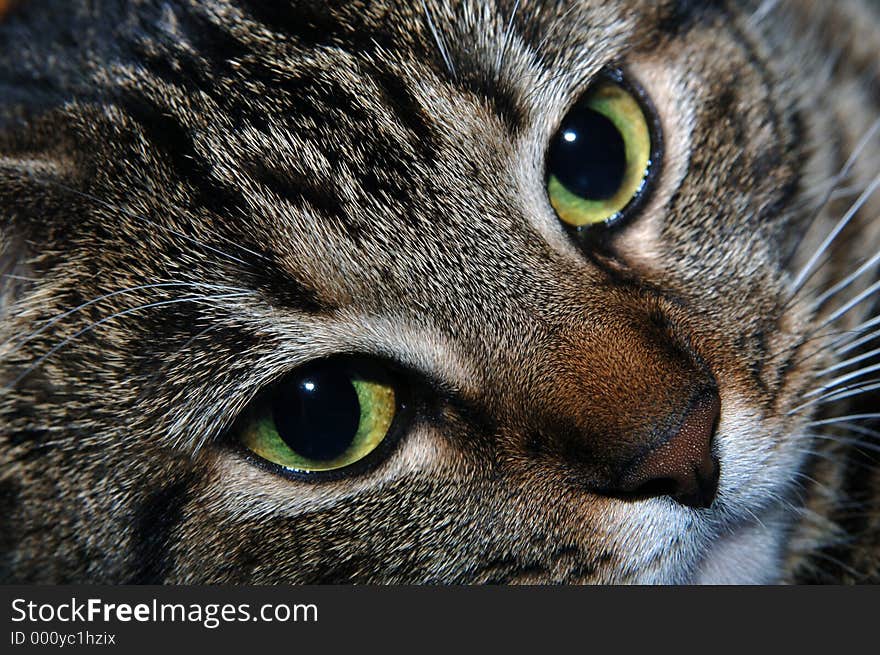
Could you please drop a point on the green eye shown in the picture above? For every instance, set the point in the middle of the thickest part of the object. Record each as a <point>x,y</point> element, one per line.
<point>600,157</point>
<point>325,416</point>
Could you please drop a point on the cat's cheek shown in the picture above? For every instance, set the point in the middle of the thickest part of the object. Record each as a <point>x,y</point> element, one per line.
<point>639,244</point>
<point>239,487</point>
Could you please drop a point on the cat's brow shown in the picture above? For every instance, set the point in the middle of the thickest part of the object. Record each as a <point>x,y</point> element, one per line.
<point>422,349</point>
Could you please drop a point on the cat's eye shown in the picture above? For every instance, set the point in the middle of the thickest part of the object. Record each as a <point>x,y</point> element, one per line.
<point>600,158</point>
<point>326,416</point>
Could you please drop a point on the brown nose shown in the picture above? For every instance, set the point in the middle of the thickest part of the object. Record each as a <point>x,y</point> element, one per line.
<point>683,466</point>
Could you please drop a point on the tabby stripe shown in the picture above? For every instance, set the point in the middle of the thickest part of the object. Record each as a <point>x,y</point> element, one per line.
<point>680,16</point>
<point>310,22</point>
<point>317,23</point>
<point>277,283</point>
<point>187,75</point>
<point>312,96</point>
<point>792,149</point>
<point>389,174</point>
<point>496,94</point>
<point>305,191</point>
<point>408,111</point>
<point>155,521</point>
<point>213,48</point>
<point>178,148</point>
<point>211,41</point>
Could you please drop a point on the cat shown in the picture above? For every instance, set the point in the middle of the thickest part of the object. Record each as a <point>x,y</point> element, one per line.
<point>435,291</point>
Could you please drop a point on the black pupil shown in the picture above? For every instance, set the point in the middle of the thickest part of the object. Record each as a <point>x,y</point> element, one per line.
<point>588,154</point>
<point>317,414</point>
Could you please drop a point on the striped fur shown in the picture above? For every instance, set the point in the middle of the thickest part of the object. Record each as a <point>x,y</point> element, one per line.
<point>197,196</point>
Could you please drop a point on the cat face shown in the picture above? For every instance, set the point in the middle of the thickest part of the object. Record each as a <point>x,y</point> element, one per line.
<point>230,201</point>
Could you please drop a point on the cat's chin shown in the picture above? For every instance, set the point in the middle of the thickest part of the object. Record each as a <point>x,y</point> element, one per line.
<point>746,533</point>
<point>749,554</point>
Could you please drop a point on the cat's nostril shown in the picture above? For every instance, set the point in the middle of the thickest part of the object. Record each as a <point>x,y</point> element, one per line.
<point>657,487</point>
<point>683,466</point>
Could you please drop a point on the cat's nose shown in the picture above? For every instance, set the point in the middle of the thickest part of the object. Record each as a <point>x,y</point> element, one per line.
<point>683,466</point>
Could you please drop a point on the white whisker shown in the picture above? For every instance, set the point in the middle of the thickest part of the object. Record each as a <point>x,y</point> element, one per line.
<point>850,417</point>
<point>766,7</point>
<point>22,278</point>
<point>441,45</point>
<point>836,382</point>
<point>92,326</point>
<point>850,342</point>
<point>861,429</point>
<point>559,21</point>
<point>807,270</point>
<point>837,562</point>
<point>50,322</point>
<point>859,148</point>
<point>849,362</point>
<point>843,284</point>
<point>851,442</point>
<point>507,34</point>
<point>839,394</point>
<point>864,295</point>
<point>834,185</point>
<point>839,345</point>
<point>151,223</point>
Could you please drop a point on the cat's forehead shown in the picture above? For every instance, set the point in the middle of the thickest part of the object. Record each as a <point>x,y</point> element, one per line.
<point>390,157</point>
<point>361,128</point>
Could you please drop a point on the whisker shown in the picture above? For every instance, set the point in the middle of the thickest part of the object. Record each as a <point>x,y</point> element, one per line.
<point>807,339</point>
<point>50,322</point>
<point>811,452</point>
<point>836,382</point>
<point>839,394</point>
<point>543,85</point>
<point>843,440</point>
<point>808,269</point>
<point>846,344</point>
<point>507,34</point>
<point>864,295</point>
<point>851,417</point>
<point>782,500</point>
<point>819,554</point>
<point>843,337</point>
<point>22,278</point>
<point>765,8</point>
<point>183,348</point>
<point>92,326</point>
<point>441,45</point>
<point>833,186</point>
<point>823,451</point>
<point>755,516</point>
<point>849,191</point>
<point>151,223</point>
<point>849,362</point>
<point>860,146</point>
<point>843,284</point>
<point>861,429</point>
<point>813,482</point>
<point>559,21</point>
